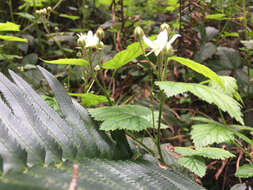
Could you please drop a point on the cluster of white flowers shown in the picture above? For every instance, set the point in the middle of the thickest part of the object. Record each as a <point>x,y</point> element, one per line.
<point>161,42</point>
<point>91,40</point>
<point>43,11</point>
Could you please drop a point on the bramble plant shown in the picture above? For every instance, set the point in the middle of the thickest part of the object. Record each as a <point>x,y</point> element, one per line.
<point>129,118</point>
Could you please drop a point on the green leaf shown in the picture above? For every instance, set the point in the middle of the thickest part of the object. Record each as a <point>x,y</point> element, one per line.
<point>89,99</point>
<point>12,38</point>
<point>9,26</point>
<point>207,134</point>
<point>245,171</point>
<point>208,152</point>
<point>128,117</point>
<point>214,153</point>
<point>125,56</point>
<point>69,16</point>
<point>231,34</point>
<point>230,86</point>
<point>194,163</point>
<point>67,61</point>
<point>202,69</point>
<point>208,94</point>
<point>98,174</point>
<point>216,17</point>
<point>14,157</point>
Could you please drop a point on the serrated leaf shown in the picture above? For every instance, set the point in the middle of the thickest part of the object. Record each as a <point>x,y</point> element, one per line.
<point>208,94</point>
<point>14,157</point>
<point>128,117</point>
<point>230,86</point>
<point>245,171</point>
<point>12,38</point>
<point>214,153</point>
<point>101,174</point>
<point>83,139</point>
<point>68,61</point>
<point>89,99</point>
<point>202,69</point>
<point>120,59</point>
<point>207,134</point>
<point>194,163</point>
<point>205,120</point>
<point>55,125</point>
<point>208,152</point>
<point>9,26</point>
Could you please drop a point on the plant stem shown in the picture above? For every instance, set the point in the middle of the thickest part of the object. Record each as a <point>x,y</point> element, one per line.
<point>139,142</point>
<point>222,116</point>
<point>245,19</point>
<point>159,127</point>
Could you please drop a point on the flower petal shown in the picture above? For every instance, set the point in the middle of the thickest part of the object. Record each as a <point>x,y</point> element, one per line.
<point>174,38</point>
<point>148,42</point>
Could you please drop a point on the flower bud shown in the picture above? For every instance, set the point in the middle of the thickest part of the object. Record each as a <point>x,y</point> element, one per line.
<point>165,26</point>
<point>49,9</point>
<point>100,33</point>
<point>97,68</point>
<point>100,45</point>
<point>138,33</point>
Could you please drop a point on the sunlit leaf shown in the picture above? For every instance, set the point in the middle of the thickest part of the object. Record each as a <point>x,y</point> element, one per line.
<point>9,26</point>
<point>202,69</point>
<point>120,59</point>
<point>68,61</point>
<point>69,16</point>
<point>89,99</point>
<point>12,38</point>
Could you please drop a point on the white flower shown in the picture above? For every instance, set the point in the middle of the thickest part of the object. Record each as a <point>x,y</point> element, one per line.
<point>88,40</point>
<point>161,41</point>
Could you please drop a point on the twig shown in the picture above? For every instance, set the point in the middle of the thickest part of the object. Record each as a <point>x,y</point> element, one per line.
<point>73,183</point>
<point>224,162</point>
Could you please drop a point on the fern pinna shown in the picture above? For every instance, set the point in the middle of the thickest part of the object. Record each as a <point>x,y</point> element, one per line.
<point>38,147</point>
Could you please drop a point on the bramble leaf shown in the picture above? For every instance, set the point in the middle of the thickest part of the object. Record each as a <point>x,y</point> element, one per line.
<point>208,94</point>
<point>207,152</point>
<point>216,134</point>
<point>130,117</point>
<point>245,171</point>
<point>194,163</point>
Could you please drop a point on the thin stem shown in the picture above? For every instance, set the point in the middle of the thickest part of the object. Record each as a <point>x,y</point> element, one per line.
<point>222,116</point>
<point>11,11</point>
<point>245,19</point>
<point>96,80</point>
<point>111,80</point>
<point>139,142</point>
<point>159,127</point>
